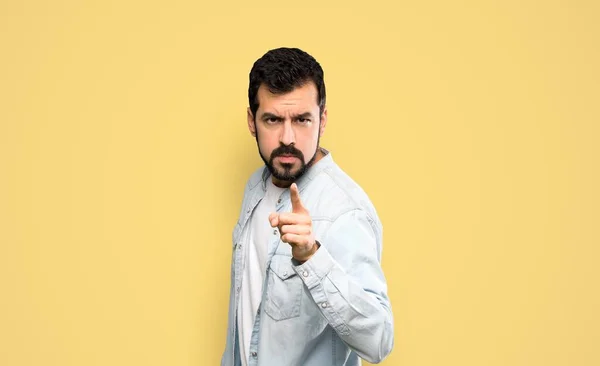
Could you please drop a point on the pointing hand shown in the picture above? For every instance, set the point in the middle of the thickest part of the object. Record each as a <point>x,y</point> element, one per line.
<point>295,227</point>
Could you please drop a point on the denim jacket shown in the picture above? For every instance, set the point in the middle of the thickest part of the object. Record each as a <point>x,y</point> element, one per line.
<point>331,310</point>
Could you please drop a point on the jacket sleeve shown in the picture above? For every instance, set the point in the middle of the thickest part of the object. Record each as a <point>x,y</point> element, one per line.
<point>346,281</point>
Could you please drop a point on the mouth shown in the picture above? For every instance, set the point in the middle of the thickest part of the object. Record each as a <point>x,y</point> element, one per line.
<point>287,158</point>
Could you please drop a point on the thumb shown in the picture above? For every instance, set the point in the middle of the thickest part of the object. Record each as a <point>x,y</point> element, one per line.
<point>297,205</point>
<point>274,219</point>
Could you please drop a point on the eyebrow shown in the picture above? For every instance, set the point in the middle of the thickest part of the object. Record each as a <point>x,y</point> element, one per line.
<point>268,115</point>
<point>304,115</point>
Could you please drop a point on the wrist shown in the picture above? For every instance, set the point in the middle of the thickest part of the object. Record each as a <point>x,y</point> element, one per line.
<point>314,249</point>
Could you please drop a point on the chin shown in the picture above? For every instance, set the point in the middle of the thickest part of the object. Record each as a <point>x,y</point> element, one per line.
<point>294,168</point>
<point>288,174</point>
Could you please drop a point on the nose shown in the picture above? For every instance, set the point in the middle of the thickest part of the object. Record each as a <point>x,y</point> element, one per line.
<point>287,134</point>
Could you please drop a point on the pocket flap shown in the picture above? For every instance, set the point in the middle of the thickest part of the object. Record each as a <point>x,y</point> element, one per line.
<point>282,266</point>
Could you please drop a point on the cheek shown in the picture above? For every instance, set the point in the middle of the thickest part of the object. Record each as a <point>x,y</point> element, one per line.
<point>310,145</point>
<point>314,137</point>
<point>265,144</point>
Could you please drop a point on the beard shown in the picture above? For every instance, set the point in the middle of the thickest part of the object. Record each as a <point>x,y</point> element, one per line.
<point>285,173</point>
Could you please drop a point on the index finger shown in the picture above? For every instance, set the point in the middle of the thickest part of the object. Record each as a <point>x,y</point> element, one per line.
<point>297,205</point>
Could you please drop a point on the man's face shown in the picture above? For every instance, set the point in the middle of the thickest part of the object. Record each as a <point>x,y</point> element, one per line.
<point>287,128</point>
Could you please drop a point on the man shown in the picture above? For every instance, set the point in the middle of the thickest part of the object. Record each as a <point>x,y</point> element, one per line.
<point>307,286</point>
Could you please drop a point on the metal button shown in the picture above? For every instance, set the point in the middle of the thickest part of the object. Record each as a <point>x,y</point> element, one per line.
<point>305,274</point>
<point>237,289</point>
<point>254,354</point>
<point>284,274</point>
<point>239,246</point>
<point>324,305</point>
<point>279,200</point>
<point>274,232</point>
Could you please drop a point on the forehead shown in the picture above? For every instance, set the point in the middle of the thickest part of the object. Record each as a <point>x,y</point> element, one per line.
<point>304,96</point>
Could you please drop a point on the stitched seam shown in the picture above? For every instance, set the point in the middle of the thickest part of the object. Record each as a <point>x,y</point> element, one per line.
<point>333,345</point>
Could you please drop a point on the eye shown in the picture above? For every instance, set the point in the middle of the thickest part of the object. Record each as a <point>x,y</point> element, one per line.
<point>303,120</point>
<point>272,120</point>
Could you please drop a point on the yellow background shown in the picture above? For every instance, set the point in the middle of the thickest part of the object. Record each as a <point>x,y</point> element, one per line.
<point>473,126</point>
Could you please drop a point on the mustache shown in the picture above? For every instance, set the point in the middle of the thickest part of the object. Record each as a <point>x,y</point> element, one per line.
<point>287,150</point>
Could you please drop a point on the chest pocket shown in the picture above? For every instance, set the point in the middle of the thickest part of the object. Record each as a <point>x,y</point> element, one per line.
<point>284,289</point>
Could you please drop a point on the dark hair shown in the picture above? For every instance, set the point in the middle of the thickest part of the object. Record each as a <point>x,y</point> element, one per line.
<point>282,70</point>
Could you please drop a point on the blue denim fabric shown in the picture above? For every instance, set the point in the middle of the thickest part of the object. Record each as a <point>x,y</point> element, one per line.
<point>331,310</point>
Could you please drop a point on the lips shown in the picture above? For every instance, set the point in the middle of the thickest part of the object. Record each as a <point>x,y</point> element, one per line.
<point>287,158</point>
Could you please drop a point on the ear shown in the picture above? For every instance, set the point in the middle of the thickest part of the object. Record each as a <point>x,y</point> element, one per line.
<point>323,121</point>
<point>251,124</point>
